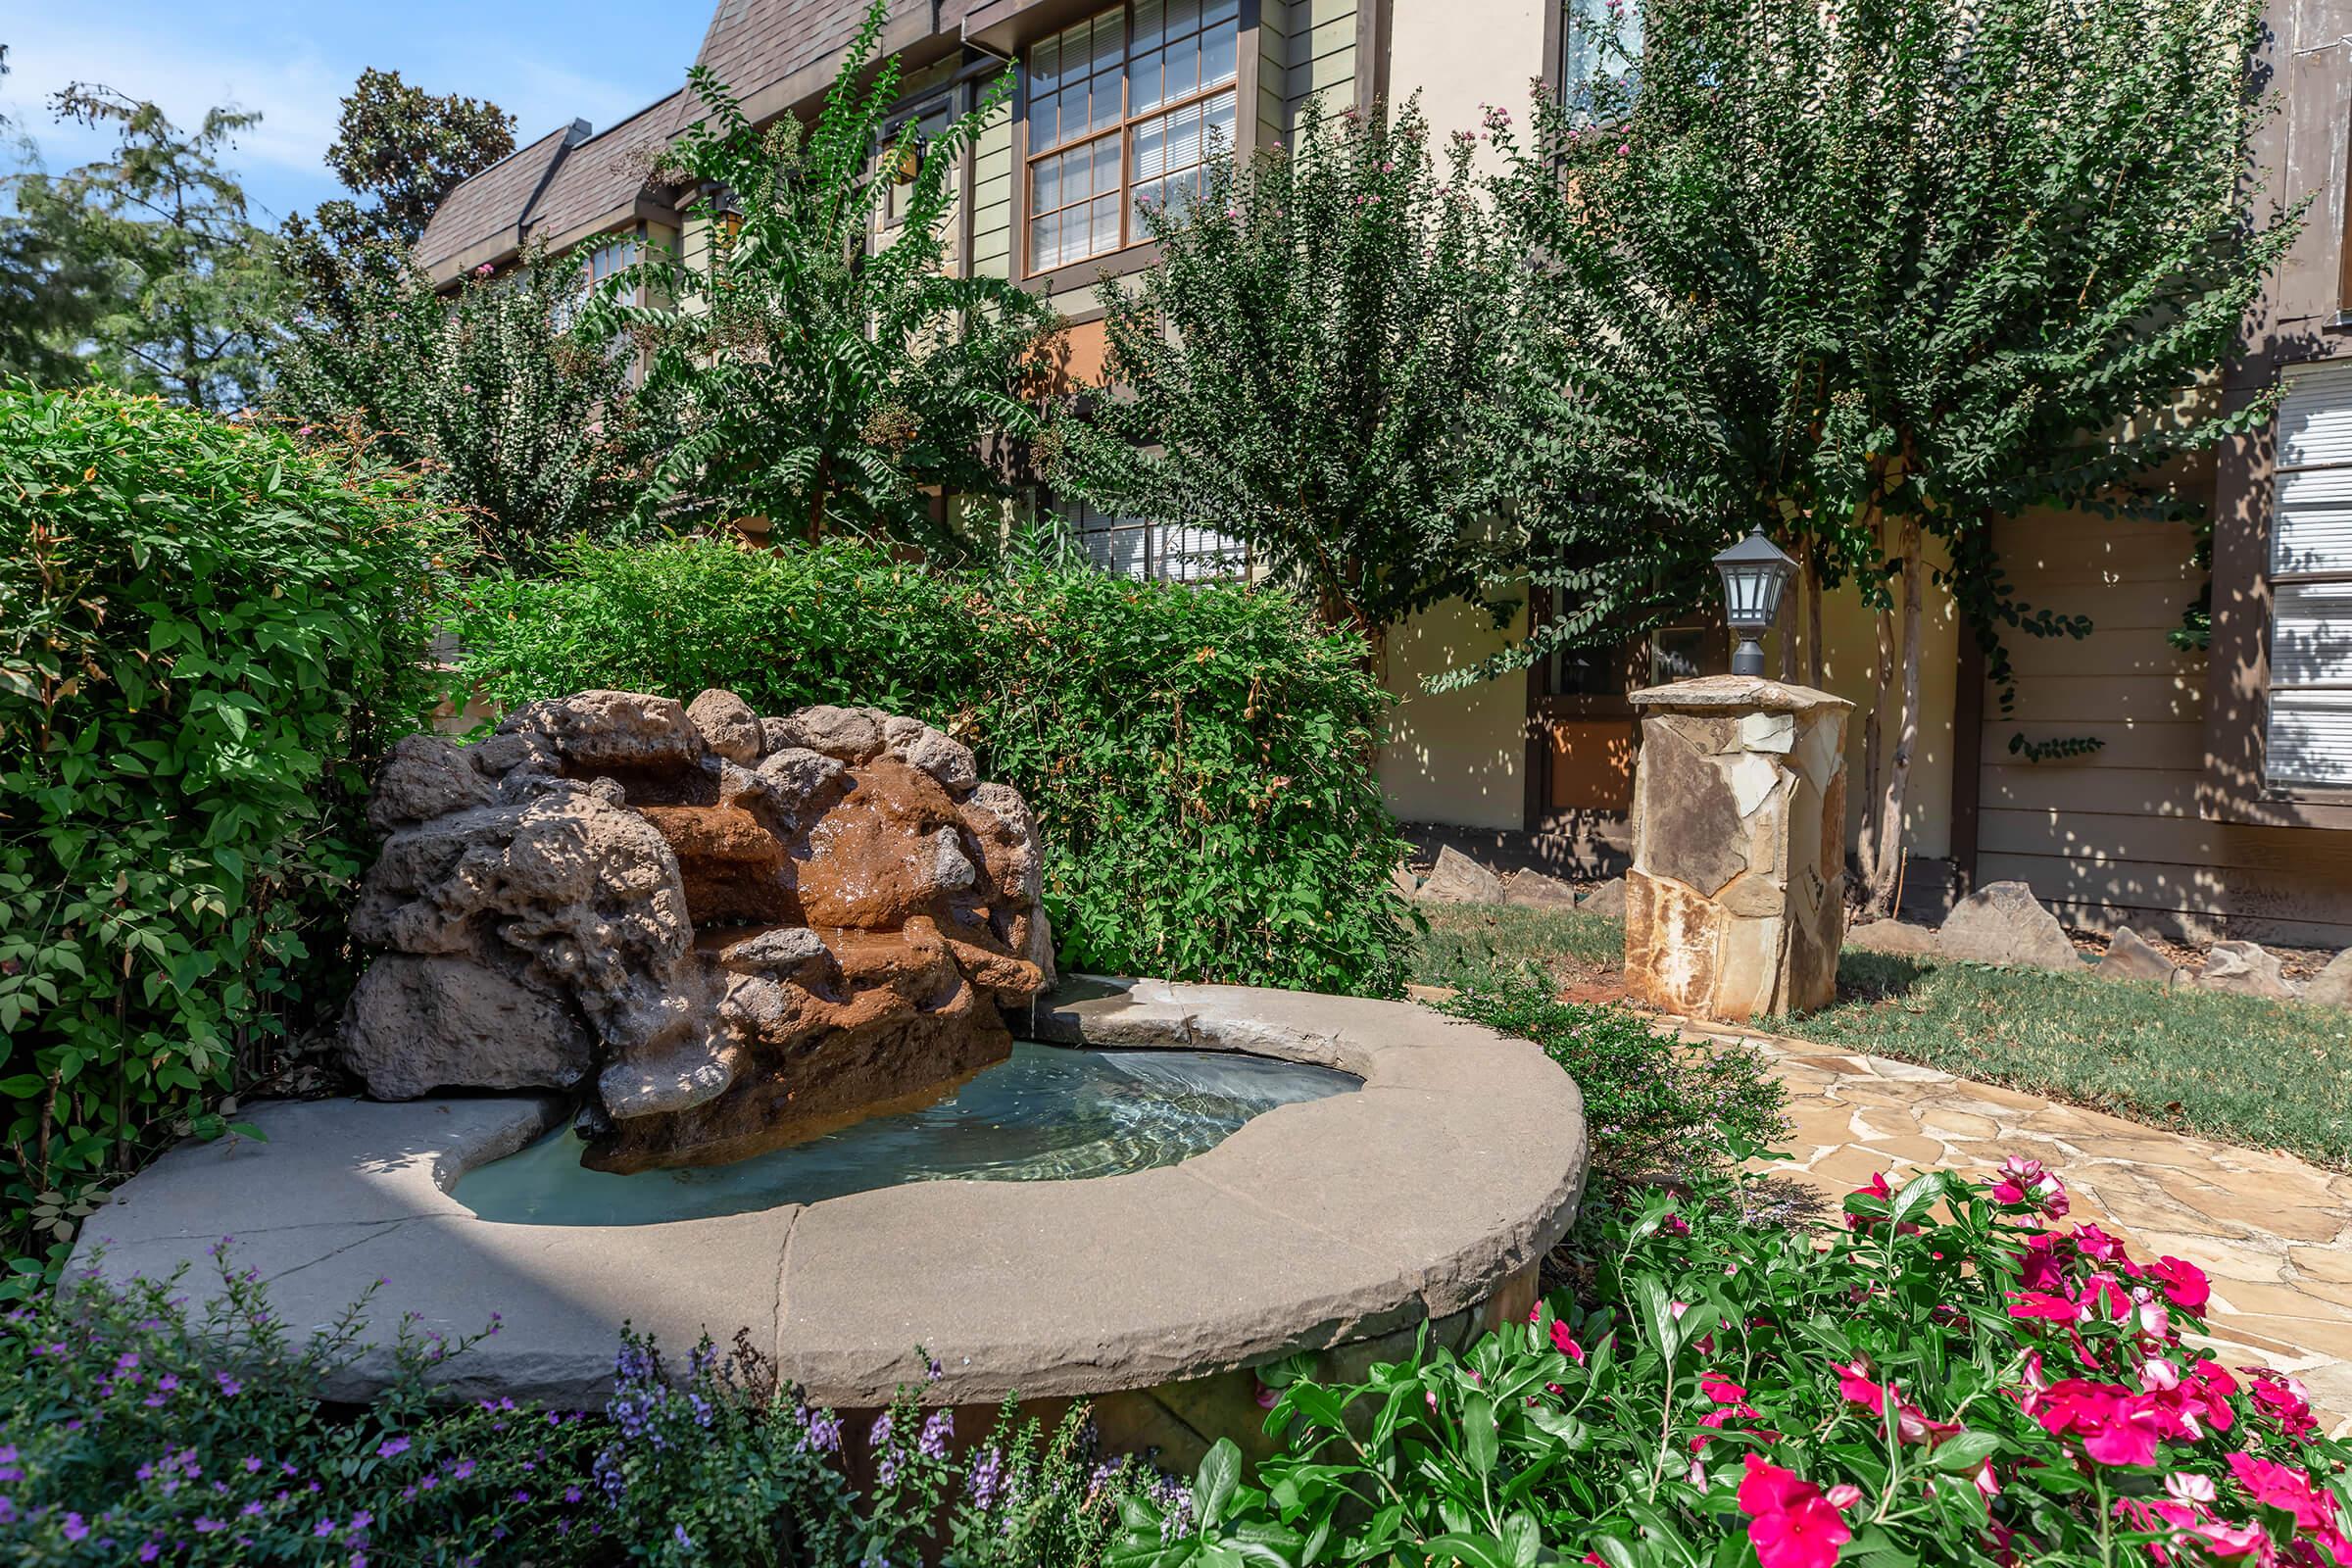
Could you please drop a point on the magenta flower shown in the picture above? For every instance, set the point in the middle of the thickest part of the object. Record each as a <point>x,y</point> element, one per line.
<point>1791,1523</point>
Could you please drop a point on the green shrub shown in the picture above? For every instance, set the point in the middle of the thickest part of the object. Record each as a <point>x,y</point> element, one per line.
<point>1198,759</point>
<point>1650,1107</point>
<point>205,632</point>
<point>1953,1381</point>
<point>134,1429</point>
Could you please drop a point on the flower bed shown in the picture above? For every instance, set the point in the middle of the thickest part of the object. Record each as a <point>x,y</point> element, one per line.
<point>1955,1377</point>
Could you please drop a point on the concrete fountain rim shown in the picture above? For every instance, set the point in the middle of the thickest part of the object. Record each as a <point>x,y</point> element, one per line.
<point>1457,1165</point>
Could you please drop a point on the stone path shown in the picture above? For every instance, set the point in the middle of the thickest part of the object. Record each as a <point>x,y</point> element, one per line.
<point>2274,1233</point>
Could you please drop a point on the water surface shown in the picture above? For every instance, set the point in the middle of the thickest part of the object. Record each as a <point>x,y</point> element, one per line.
<point>1051,1112</point>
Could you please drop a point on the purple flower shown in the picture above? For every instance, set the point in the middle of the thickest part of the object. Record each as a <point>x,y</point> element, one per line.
<point>251,1508</point>
<point>230,1387</point>
<point>73,1528</point>
<point>824,1433</point>
<point>326,1526</point>
<point>678,1534</point>
<point>463,1470</point>
<point>392,1448</point>
<point>206,1527</point>
<point>988,1473</point>
<point>252,1464</point>
<point>880,1434</point>
<point>936,1432</point>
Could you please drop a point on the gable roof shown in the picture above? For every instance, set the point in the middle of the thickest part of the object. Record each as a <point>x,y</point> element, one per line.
<point>606,173</point>
<point>495,202</point>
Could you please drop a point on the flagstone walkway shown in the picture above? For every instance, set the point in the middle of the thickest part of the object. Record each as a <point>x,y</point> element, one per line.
<point>2274,1233</point>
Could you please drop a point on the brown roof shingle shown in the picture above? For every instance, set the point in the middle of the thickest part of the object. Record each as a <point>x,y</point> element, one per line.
<point>755,43</point>
<point>496,200</point>
<point>607,171</point>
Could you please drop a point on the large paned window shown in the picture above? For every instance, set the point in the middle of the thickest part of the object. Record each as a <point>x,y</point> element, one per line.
<point>2310,567</point>
<point>1125,108</point>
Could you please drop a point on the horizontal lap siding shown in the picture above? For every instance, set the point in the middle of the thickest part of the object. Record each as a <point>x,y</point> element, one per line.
<point>2114,838</point>
<point>992,196</point>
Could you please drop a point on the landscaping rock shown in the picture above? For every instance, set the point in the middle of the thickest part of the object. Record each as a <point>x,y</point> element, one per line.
<point>742,931</point>
<point>1401,879</point>
<point>729,726</point>
<point>2002,922</point>
<point>1459,879</point>
<point>2331,987</point>
<point>1898,939</point>
<point>417,1023</point>
<point>1607,898</point>
<point>2129,958</point>
<point>1540,891</point>
<point>2247,969</point>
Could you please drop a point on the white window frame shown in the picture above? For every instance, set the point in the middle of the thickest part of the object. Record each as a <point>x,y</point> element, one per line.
<point>2308,574</point>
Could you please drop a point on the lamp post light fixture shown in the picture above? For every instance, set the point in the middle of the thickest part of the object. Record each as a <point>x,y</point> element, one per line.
<point>1754,574</point>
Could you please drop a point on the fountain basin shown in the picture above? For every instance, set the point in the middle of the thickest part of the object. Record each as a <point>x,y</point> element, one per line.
<point>1337,1225</point>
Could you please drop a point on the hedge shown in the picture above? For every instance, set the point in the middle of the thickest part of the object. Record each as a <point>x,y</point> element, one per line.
<point>1200,759</point>
<point>204,633</point>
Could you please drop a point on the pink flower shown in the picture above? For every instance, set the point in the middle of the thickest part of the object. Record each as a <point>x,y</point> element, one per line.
<point>2116,1425</point>
<point>2184,1283</point>
<point>2278,1486</point>
<point>483,270</point>
<point>1845,1495</point>
<point>2282,1399</point>
<point>2095,1242</point>
<point>1790,1523</point>
<point>2184,1485</point>
<point>2037,1304</point>
<point>2023,1182</point>
<point>1856,1385</point>
<point>1561,1340</point>
<point>1720,1389</point>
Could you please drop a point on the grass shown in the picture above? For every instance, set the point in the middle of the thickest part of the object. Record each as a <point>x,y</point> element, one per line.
<point>2264,1074</point>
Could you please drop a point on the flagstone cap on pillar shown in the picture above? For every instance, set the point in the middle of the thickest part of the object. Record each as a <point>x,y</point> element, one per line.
<point>1751,693</point>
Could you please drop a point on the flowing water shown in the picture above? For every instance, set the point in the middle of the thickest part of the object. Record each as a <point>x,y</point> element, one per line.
<point>1049,1113</point>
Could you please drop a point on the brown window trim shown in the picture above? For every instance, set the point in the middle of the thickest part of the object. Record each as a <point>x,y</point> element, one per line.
<point>1132,255</point>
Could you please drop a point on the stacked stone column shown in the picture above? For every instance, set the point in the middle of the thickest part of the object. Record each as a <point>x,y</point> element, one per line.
<point>1735,905</point>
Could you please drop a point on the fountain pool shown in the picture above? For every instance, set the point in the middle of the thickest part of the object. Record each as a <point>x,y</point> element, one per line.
<point>1050,1114</point>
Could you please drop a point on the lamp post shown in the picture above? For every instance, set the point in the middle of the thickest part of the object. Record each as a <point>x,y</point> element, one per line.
<point>1754,574</point>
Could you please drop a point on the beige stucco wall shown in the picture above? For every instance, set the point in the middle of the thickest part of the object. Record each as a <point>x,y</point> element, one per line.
<point>1460,57</point>
<point>1849,660</point>
<point>1457,757</point>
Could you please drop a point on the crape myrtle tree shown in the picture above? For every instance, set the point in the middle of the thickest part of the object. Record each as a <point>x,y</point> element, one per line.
<point>812,379</point>
<point>507,409</point>
<point>1878,274</point>
<point>1320,365</point>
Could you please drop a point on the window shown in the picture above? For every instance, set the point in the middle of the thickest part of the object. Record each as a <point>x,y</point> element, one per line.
<point>610,258</point>
<point>931,121</point>
<point>1125,108</point>
<point>1130,547</point>
<point>1597,37</point>
<point>2310,569</point>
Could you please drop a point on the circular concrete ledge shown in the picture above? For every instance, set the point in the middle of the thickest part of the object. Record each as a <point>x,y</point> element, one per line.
<point>1427,1195</point>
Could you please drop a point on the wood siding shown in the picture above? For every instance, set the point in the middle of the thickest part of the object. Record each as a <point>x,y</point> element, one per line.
<point>2115,838</point>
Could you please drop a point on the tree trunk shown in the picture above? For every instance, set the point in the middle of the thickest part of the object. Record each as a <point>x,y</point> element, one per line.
<point>1882,683</point>
<point>1813,654</point>
<point>1795,623</point>
<point>1887,859</point>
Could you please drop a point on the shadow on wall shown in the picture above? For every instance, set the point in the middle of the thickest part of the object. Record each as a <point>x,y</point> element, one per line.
<point>1454,758</point>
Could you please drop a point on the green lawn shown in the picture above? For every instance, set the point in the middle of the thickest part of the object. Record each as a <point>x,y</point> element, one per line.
<point>2269,1075</point>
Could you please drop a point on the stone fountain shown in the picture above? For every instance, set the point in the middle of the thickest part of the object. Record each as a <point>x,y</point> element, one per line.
<point>726,932</point>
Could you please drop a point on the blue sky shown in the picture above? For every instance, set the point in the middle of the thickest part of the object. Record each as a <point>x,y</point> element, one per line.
<point>543,62</point>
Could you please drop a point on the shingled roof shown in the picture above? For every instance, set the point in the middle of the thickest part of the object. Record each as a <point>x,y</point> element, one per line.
<point>606,173</point>
<point>496,202</point>
<point>564,184</point>
<point>753,44</point>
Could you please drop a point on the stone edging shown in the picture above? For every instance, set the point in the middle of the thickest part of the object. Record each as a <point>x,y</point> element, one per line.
<point>1458,1163</point>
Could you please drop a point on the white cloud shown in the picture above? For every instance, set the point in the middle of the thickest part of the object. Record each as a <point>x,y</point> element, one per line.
<point>294,85</point>
<point>295,91</point>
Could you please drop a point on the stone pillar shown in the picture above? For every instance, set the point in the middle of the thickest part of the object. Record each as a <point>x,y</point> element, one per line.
<point>1735,901</point>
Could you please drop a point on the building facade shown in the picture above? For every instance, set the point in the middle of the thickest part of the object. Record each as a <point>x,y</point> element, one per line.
<point>2220,800</point>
